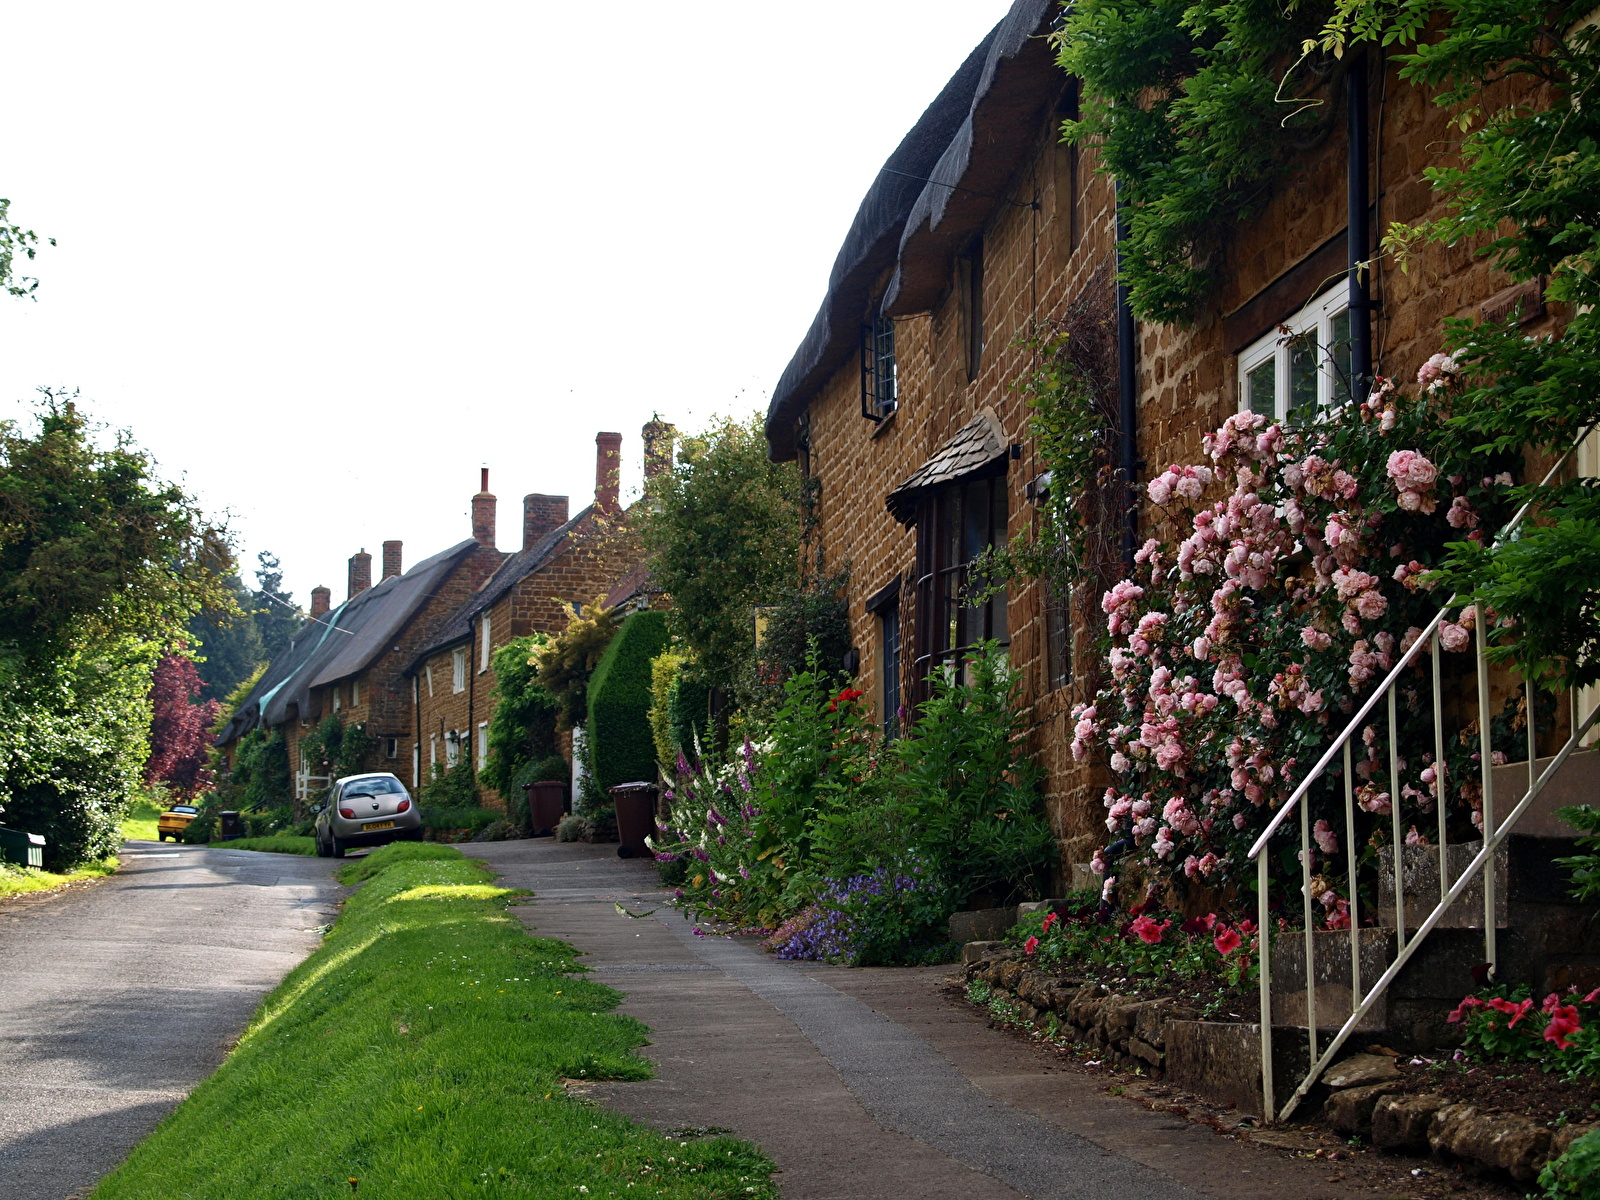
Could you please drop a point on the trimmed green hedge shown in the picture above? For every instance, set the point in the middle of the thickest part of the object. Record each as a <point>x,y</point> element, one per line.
<point>619,702</point>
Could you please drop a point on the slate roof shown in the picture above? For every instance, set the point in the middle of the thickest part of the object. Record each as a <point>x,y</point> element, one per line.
<point>973,135</point>
<point>976,445</point>
<point>510,573</point>
<point>342,643</point>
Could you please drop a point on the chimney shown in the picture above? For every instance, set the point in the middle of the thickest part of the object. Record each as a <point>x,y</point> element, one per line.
<point>607,468</point>
<point>541,514</point>
<point>658,440</point>
<point>483,514</point>
<point>391,558</point>
<point>319,601</point>
<point>360,573</point>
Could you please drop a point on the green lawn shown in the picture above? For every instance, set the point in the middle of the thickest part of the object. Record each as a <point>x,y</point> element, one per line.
<point>16,880</point>
<point>419,1055</point>
<point>140,823</point>
<point>281,843</point>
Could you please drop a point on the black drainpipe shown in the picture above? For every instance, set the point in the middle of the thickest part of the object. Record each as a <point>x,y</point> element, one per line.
<point>1127,396</point>
<point>1358,226</point>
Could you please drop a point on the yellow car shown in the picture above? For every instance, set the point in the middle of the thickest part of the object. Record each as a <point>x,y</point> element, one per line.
<point>174,821</point>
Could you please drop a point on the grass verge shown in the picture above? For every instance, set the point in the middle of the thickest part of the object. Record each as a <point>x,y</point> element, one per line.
<point>280,843</point>
<point>140,823</point>
<point>419,1054</point>
<point>15,881</point>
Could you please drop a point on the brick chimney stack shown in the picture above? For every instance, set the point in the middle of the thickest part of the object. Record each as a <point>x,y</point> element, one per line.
<point>607,472</point>
<point>391,558</point>
<point>483,513</point>
<point>541,514</point>
<point>360,573</point>
<point>658,440</point>
<point>319,601</point>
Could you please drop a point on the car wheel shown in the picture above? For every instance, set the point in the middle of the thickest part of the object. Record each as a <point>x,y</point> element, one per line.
<point>323,849</point>
<point>336,849</point>
<point>161,837</point>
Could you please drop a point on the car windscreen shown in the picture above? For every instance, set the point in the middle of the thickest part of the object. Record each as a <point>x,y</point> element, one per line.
<point>187,809</point>
<point>381,785</point>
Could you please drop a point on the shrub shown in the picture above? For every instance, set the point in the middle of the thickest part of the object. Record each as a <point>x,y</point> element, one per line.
<point>564,663</point>
<point>894,916</point>
<point>1576,1174</point>
<point>618,730</point>
<point>522,730</point>
<point>469,817</point>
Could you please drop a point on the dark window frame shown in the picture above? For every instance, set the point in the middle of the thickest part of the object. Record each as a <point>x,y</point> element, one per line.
<point>880,372</point>
<point>955,524</point>
<point>885,605</point>
<point>969,280</point>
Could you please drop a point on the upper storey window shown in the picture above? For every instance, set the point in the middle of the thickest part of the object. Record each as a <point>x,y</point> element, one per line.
<point>1303,365</point>
<point>880,381</point>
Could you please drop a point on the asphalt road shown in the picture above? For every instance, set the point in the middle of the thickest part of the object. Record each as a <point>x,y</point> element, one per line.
<point>117,998</point>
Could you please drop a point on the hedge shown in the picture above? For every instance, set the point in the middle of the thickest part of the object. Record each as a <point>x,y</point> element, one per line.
<point>619,702</point>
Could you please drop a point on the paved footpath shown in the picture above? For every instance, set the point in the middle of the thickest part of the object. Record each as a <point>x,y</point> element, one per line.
<point>862,1084</point>
<point>116,999</point>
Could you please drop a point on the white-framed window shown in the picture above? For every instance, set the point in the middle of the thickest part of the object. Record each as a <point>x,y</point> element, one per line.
<point>1303,365</point>
<point>452,748</point>
<point>484,644</point>
<point>458,670</point>
<point>483,744</point>
<point>391,747</point>
<point>337,694</point>
<point>427,670</point>
<point>355,693</point>
<point>433,751</point>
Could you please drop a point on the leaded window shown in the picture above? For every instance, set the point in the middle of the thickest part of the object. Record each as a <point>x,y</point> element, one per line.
<point>880,381</point>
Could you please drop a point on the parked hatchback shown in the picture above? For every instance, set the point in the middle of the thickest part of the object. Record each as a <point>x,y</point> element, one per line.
<point>366,810</point>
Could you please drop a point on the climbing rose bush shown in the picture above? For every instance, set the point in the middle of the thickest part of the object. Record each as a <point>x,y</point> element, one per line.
<point>1292,572</point>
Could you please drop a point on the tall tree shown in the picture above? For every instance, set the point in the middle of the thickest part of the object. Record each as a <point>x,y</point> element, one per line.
<point>228,645</point>
<point>180,724</point>
<point>278,617</point>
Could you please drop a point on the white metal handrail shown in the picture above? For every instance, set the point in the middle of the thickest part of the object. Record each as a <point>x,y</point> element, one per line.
<point>1493,836</point>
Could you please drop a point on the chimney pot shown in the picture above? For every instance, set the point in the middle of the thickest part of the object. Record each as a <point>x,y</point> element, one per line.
<point>541,514</point>
<point>320,596</point>
<point>360,573</point>
<point>483,514</point>
<point>607,472</point>
<point>391,559</point>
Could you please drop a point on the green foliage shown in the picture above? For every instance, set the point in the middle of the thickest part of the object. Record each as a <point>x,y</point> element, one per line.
<point>564,663</point>
<point>814,616</point>
<point>92,545</point>
<point>1094,939</point>
<point>823,815</point>
<point>16,240</point>
<point>75,728</point>
<point>522,730</point>
<point>1196,109</point>
<point>1585,867</point>
<point>233,644</point>
<point>375,1062</point>
<point>618,731</point>
<point>1576,1174</point>
<point>1561,1034</point>
<point>449,788</point>
<point>279,844</point>
<point>666,669</point>
<point>723,532</point>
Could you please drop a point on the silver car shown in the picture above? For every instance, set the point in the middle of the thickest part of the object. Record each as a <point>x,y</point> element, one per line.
<point>366,810</point>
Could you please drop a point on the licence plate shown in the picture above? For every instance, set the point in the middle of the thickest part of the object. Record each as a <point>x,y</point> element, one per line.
<point>378,825</point>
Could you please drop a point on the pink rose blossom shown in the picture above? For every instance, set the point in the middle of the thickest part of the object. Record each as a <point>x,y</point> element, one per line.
<point>1314,638</point>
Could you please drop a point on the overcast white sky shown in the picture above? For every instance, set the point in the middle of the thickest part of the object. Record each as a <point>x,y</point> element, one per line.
<point>325,260</point>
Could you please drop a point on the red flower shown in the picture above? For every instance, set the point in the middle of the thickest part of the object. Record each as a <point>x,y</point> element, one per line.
<point>1468,1003</point>
<point>1515,1011</point>
<point>1149,931</point>
<point>1563,1023</point>
<point>1227,941</point>
<point>1031,946</point>
<point>1590,998</point>
<point>1203,924</point>
<point>1049,920</point>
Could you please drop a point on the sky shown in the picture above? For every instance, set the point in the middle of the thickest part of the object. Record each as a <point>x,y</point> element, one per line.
<point>326,260</point>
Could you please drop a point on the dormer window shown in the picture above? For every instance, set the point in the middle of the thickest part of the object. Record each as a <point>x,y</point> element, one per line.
<point>880,383</point>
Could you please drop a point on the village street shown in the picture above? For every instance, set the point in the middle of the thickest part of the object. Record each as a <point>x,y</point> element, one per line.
<point>118,998</point>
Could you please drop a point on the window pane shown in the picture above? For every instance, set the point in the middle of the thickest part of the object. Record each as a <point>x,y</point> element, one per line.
<point>891,673</point>
<point>999,628</point>
<point>975,520</point>
<point>950,528</point>
<point>1340,356</point>
<point>1261,389</point>
<point>1303,376</point>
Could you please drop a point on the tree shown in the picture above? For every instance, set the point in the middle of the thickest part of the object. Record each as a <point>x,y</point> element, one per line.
<point>723,530</point>
<point>14,240</point>
<point>278,617</point>
<point>228,646</point>
<point>179,726</point>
